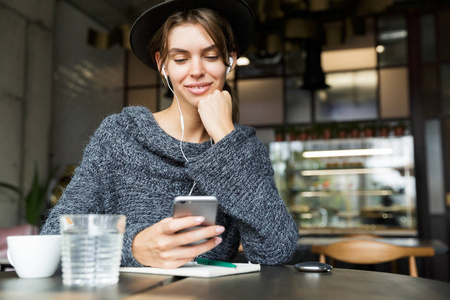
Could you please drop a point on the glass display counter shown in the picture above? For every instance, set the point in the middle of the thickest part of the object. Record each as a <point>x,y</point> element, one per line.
<point>348,186</point>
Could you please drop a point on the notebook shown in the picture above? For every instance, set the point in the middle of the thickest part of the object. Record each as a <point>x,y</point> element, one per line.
<point>192,269</point>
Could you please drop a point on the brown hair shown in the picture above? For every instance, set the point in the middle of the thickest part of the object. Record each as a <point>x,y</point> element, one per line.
<point>218,29</point>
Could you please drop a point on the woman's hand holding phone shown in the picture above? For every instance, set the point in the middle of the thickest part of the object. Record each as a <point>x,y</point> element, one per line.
<point>162,245</point>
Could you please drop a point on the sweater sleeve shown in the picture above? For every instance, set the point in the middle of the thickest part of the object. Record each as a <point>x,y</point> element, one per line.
<point>237,170</point>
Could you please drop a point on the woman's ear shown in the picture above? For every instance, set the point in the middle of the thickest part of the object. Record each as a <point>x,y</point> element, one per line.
<point>232,62</point>
<point>234,56</point>
<point>158,62</point>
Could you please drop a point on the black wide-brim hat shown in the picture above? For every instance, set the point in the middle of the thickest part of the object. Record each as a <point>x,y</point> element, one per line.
<point>237,12</point>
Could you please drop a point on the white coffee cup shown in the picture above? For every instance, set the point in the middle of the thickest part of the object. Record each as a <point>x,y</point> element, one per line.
<point>34,256</point>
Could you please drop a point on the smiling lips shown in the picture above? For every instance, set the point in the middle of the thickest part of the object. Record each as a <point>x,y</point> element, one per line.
<point>198,88</point>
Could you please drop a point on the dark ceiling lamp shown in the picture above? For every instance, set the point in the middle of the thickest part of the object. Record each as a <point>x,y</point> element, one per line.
<point>314,77</point>
<point>308,32</point>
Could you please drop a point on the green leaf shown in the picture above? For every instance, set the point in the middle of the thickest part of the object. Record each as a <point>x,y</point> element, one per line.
<point>34,200</point>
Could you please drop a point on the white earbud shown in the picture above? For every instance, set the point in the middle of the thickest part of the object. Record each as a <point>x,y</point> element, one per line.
<point>230,59</point>
<point>164,72</point>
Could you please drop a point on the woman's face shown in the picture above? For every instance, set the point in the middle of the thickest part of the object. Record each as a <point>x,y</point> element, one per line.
<point>193,63</point>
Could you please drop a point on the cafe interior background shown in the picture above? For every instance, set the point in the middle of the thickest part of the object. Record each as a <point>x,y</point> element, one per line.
<point>368,76</point>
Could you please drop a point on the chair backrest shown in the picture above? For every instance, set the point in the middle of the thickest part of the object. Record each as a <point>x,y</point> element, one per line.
<point>368,251</point>
<point>25,229</point>
<point>362,236</point>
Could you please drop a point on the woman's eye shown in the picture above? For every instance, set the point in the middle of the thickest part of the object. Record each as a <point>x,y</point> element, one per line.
<point>180,60</point>
<point>212,57</point>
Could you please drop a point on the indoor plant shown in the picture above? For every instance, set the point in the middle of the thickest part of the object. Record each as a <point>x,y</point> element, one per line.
<point>34,200</point>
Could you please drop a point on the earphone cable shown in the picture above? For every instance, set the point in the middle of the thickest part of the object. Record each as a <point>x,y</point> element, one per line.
<point>192,188</point>
<point>182,129</point>
<point>181,121</point>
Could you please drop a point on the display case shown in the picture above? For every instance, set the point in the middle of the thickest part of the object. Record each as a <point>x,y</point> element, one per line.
<point>348,186</point>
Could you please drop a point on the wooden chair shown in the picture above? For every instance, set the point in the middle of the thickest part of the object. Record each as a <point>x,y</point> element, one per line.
<point>362,236</point>
<point>367,251</point>
<point>394,267</point>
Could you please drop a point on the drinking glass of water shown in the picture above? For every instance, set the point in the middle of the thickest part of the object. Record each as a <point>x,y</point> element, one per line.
<point>91,249</point>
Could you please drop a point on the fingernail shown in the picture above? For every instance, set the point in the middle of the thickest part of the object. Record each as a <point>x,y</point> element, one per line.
<point>218,240</point>
<point>220,229</point>
<point>199,219</point>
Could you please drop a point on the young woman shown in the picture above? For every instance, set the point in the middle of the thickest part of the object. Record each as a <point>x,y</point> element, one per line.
<point>138,162</point>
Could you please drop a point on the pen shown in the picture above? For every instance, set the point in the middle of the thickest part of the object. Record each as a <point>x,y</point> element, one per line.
<point>205,261</point>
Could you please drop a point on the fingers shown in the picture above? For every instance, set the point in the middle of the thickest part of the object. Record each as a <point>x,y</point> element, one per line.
<point>216,114</point>
<point>171,225</point>
<point>179,256</point>
<point>181,235</point>
<point>216,99</point>
<point>163,246</point>
<point>198,234</point>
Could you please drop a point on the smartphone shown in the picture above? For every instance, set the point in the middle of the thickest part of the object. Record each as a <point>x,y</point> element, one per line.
<point>313,266</point>
<point>205,206</point>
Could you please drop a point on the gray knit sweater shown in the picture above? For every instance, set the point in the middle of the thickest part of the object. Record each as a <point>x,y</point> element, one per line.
<point>132,167</point>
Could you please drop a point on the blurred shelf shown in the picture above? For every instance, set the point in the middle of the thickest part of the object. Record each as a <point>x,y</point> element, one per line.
<point>362,185</point>
<point>345,193</point>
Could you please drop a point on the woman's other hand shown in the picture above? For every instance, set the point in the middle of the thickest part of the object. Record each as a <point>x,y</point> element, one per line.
<point>161,246</point>
<point>215,111</point>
